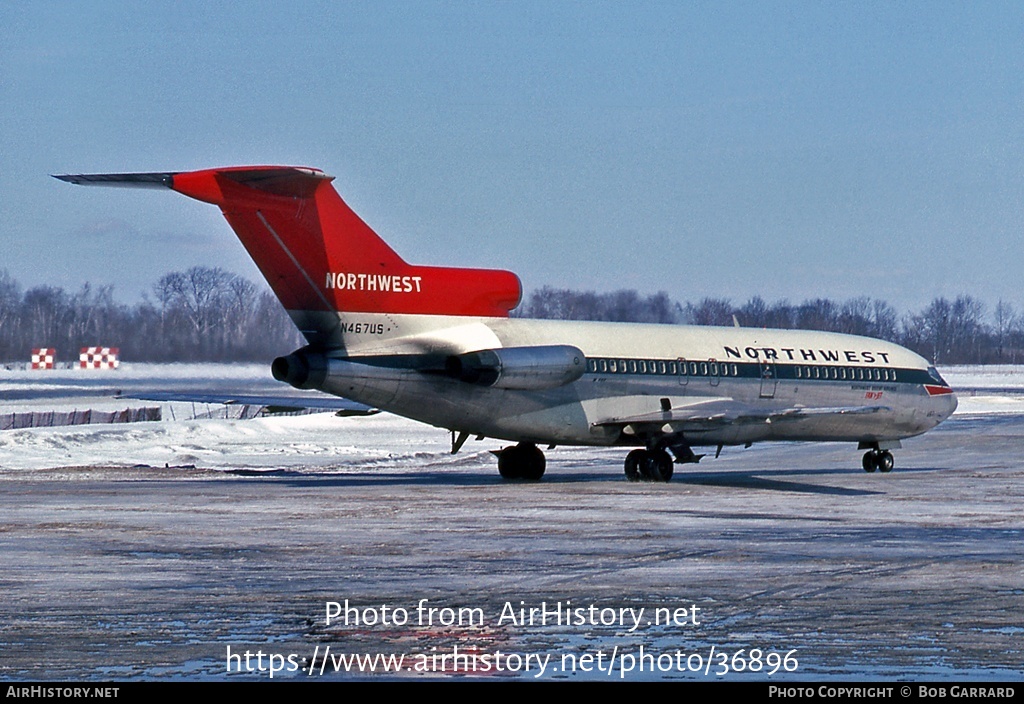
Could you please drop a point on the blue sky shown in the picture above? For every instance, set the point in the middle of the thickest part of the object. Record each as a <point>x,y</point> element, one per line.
<point>788,150</point>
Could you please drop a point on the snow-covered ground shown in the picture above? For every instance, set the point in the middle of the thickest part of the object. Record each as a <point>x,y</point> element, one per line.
<point>983,389</point>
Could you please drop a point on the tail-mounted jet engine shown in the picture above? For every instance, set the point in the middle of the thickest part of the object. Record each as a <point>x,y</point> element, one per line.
<point>522,368</point>
<point>541,367</point>
<point>300,369</point>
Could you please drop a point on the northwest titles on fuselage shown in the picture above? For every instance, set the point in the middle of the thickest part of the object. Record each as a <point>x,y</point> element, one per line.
<point>807,355</point>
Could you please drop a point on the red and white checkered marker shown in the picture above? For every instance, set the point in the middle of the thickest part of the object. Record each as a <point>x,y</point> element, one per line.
<point>42,358</point>
<point>99,358</point>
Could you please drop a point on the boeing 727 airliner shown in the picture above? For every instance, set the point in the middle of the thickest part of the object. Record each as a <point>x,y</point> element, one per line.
<point>437,345</point>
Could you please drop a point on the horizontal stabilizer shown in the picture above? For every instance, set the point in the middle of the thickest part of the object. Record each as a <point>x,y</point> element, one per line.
<point>149,180</point>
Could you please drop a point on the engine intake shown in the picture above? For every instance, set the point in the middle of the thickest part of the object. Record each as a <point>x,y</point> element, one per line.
<point>300,369</point>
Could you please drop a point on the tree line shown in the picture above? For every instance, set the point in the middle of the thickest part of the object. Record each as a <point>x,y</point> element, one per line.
<point>202,314</point>
<point>958,331</point>
<point>209,314</point>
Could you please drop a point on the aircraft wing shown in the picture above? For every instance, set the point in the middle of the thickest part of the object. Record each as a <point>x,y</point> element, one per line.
<point>327,403</point>
<point>704,414</point>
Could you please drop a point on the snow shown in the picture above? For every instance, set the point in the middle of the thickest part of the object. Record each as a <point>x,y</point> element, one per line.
<point>987,389</point>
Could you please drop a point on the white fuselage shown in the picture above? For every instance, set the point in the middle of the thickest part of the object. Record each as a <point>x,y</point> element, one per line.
<point>640,378</point>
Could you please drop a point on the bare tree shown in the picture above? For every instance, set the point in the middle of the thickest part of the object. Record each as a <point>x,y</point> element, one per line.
<point>1004,321</point>
<point>709,311</point>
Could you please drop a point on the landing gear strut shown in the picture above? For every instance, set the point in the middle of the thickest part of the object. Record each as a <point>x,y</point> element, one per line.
<point>881,460</point>
<point>522,461</point>
<point>648,466</point>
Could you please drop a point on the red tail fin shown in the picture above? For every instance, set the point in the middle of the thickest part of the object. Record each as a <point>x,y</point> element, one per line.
<point>316,254</point>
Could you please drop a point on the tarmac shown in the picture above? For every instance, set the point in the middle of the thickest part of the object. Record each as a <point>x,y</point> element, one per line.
<point>789,550</point>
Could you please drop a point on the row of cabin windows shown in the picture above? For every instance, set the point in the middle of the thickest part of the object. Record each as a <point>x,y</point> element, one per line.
<point>681,368</point>
<point>661,366</point>
<point>846,373</point>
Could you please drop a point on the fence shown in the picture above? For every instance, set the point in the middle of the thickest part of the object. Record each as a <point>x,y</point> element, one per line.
<point>51,419</point>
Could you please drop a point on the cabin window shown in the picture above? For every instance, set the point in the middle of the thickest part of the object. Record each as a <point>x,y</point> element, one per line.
<point>673,370</point>
<point>662,368</point>
<point>713,368</point>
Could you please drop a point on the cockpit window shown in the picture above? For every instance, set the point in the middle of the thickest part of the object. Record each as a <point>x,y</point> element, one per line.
<point>934,374</point>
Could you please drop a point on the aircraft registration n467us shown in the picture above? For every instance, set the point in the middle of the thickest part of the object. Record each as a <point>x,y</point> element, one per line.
<point>437,345</point>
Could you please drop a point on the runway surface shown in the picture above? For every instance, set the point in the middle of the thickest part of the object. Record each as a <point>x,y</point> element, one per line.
<point>116,567</point>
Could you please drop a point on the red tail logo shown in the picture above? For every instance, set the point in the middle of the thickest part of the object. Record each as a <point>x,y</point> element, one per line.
<point>318,255</point>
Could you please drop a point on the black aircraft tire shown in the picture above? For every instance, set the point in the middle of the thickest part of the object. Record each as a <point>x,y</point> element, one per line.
<point>656,466</point>
<point>509,466</point>
<point>870,461</point>
<point>885,461</point>
<point>661,467</point>
<point>533,463</point>
<point>633,461</point>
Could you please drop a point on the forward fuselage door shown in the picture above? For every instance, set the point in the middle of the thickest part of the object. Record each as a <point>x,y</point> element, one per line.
<point>769,380</point>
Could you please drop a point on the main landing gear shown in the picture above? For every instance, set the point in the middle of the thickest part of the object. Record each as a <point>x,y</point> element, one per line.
<point>522,461</point>
<point>881,460</point>
<point>654,464</point>
<point>649,466</point>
